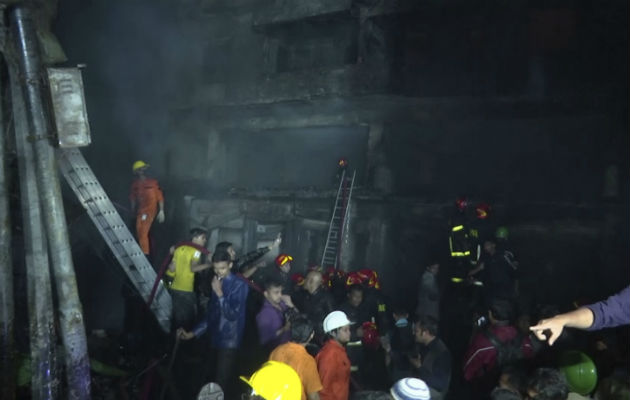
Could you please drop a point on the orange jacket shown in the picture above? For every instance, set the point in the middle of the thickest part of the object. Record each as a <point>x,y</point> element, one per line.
<point>146,195</point>
<point>334,370</point>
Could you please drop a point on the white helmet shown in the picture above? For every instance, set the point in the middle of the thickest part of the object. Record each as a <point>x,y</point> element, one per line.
<point>334,320</point>
<point>410,389</point>
<point>210,391</point>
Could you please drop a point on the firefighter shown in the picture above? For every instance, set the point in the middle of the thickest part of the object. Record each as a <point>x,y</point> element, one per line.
<point>283,263</point>
<point>186,262</point>
<point>458,239</point>
<point>147,202</point>
<point>480,228</point>
<point>375,298</point>
<point>274,381</point>
<point>342,166</point>
<point>335,281</point>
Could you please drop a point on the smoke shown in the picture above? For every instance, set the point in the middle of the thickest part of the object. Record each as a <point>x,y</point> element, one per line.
<point>139,58</point>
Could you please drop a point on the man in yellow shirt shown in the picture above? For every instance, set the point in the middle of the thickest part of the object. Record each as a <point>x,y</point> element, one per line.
<point>187,260</point>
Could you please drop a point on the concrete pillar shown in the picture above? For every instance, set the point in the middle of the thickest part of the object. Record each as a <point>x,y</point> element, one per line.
<point>44,370</point>
<point>7,367</point>
<point>70,314</point>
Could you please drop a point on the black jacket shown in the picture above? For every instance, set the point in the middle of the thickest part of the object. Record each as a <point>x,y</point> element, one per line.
<point>315,306</point>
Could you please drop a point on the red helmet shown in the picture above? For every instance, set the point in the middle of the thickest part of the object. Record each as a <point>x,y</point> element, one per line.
<point>482,210</point>
<point>298,279</point>
<point>283,259</point>
<point>370,335</point>
<point>370,277</point>
<point>353,278</point>
<point>364,274</point>
<point>461,203</point>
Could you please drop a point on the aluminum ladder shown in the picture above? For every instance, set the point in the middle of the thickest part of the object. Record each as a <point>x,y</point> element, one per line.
<point>92,196</point>
<point>339,223</point>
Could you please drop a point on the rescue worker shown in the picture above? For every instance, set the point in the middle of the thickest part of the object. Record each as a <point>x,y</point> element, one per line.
<point>332,361</point>
<point>496,273</point>
<point>359,312</point>
<point>335,280</point>
<point>342,166</point>
<point>374,298</point>
<point>283,265</point>
<point>295,355</point>
<point>458,240</point>
<point>297,281</point>
<point>314,301</point>
<point>147,202</point>
<point>186,262</point>
<point>503,246</point>
<point>579,371</point>
<point>274,381</point>
<point>479,229</point>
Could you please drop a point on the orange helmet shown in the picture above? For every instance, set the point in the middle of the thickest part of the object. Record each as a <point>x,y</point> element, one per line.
<point>353,278</point>
<point>482,210</point>
<point>370,335</point>
<point>298,279</point>
<point>283,259</point>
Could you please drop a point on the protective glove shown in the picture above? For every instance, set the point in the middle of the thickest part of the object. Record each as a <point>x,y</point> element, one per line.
<point>160,216</point>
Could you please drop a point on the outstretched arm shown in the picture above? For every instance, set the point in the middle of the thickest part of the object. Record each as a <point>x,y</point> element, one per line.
<point>609,313</point>
<point>582,318</point>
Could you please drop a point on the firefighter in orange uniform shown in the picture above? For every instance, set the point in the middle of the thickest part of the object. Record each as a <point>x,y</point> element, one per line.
<point>147,201</point>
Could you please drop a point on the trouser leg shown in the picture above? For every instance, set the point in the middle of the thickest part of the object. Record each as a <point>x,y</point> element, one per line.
<point>143,225</point>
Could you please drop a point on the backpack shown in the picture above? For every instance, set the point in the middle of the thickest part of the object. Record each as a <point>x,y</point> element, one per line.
<point>507,352</point>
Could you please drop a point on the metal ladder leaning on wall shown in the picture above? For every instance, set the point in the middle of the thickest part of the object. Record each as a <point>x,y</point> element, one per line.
<point>92,196</point>
<point>339,222</point>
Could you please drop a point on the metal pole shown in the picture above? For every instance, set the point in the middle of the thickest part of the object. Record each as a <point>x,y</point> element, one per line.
<point>44,367</point>
<point>7,368</point>
<point>70,315</point>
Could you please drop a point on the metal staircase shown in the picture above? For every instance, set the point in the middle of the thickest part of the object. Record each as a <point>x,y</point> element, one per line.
<point>90,193</point>
<point>339,222</point>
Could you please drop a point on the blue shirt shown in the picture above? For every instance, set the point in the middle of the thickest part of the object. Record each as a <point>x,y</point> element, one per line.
<point>611,312</point>
<point>226,315</point>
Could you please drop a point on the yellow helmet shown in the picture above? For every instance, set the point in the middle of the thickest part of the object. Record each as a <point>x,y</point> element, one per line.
<point>139,164</point>
<point>275,381</point>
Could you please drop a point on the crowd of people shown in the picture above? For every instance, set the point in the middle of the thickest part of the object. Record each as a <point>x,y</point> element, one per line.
<point>344,340</point>
<point>331,334</point>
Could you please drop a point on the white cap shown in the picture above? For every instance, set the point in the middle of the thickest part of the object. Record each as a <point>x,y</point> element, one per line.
<point>334,320</point>
<point>410,389</point>
<point>210,391</point>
